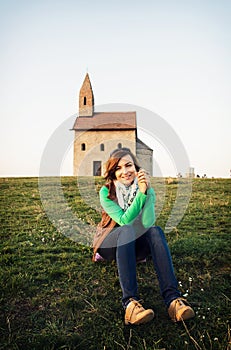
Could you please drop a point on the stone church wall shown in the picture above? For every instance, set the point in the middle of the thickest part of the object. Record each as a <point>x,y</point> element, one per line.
<point>98,146</point>
<point>144,157</point>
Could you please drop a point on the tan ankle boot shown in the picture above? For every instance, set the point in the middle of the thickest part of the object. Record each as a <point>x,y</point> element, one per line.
<point>136,314</point>
<point>180,310</point>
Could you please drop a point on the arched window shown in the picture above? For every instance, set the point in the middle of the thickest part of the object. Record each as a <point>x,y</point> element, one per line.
<point>84,100</point>
<point>83,147</point>
<point>101,147</point>
<point>119,145</point>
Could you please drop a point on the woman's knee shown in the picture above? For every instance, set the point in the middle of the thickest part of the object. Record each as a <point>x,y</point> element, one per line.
<point>126,235</point>
<point>118,236</point>
<point>157,234</point>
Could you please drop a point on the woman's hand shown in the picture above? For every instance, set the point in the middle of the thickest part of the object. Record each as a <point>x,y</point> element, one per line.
<point>143,180</point>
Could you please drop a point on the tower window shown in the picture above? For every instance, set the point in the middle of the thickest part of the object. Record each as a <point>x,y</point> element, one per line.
<point>83,147</point>
<point>101,147</point>
<point>119,145</point>
<point>84,100</point>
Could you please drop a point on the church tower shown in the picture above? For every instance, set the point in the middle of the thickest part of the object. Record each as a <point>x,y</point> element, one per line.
<point>86,99</point>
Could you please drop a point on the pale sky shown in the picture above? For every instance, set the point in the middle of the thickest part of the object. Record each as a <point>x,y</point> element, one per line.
<point>170,57</point>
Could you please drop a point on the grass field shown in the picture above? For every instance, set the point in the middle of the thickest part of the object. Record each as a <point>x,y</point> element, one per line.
<point>52,296</point>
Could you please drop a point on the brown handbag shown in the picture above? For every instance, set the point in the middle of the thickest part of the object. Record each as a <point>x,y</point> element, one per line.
<point>106,224</point>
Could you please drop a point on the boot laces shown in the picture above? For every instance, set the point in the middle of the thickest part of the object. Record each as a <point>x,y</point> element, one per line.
<point>137,303</point>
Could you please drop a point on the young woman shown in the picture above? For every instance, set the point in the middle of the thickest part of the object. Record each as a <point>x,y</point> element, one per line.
<point>127,234</point>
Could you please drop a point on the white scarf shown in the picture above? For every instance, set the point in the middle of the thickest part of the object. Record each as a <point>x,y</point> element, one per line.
<point>126,194</point>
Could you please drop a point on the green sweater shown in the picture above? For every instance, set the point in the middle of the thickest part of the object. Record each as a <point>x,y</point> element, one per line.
<point>143,204</point>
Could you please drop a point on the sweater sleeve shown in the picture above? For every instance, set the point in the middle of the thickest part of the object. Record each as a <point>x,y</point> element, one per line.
<point>120,216</point>
<point>148,213</point>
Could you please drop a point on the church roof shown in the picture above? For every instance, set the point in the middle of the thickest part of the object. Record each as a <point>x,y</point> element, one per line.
<point>141,145</point>
<point>107,121</point>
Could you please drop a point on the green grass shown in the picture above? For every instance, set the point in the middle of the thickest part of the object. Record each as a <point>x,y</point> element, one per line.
<point>52,296</point>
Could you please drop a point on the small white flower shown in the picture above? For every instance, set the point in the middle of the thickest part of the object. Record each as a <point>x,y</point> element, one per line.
<point>202,289</point>
<point>185,295</point>
<point>203,317</point>
<point>43,239</point>
<point>190,279</point>
<point>215,339</point>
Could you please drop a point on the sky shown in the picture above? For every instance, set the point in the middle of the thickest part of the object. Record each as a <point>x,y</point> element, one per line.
<point>170,57</point>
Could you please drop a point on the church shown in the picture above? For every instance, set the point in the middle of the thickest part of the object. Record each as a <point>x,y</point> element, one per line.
<point>97,134</point>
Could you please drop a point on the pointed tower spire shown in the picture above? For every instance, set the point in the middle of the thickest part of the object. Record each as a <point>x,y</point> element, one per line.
<point>86,99</point>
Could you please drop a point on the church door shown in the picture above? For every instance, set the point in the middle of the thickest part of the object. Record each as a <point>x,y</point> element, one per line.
<point>96,168</point>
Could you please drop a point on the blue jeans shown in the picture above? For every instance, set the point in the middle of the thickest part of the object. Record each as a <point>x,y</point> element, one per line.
<point>123,246</point>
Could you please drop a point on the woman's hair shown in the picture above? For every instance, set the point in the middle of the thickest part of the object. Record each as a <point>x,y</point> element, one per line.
<point>114,159</point>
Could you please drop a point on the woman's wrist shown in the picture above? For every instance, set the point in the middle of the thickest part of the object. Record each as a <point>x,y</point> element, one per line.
<point>143,188</point>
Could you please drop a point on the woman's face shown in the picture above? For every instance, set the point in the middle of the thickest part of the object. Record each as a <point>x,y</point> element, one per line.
<point>125,170</point>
